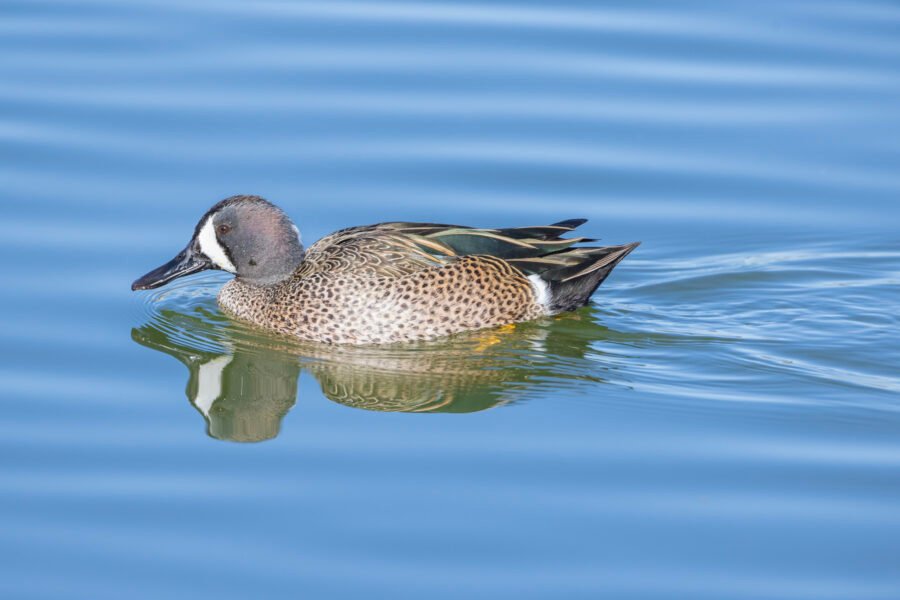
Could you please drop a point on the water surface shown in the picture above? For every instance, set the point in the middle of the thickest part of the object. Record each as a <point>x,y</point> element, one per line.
<point>722,422</point>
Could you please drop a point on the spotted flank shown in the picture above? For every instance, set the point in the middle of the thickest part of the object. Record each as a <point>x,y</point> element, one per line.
<point>390,282</point>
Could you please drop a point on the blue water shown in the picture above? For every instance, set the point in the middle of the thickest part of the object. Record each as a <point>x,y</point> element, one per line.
<point>723,422</point>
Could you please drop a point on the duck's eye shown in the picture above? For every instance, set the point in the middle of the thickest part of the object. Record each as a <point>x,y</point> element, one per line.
<point>223,229</point>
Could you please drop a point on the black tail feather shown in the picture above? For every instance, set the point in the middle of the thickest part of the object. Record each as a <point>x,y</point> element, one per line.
<point>571,286</point>
<point>543,232</point>
<point>570,223</point>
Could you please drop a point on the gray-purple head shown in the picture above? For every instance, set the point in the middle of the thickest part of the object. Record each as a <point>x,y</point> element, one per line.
<point>244,235</point>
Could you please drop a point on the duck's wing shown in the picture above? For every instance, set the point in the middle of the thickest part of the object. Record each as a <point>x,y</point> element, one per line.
<point>399,248</point>
<point>371,250</point>
<point>569,273</point>
<point>515,242</point>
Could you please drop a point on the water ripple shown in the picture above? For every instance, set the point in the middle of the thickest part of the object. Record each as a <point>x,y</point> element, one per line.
<point>721,422</point>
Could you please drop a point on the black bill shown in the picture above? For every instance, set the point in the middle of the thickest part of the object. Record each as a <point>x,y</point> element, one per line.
<point>188,261</point>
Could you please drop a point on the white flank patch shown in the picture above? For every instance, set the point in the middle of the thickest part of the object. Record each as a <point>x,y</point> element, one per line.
<point>209,383</point>
<point>541,290</point>
<point>211,247</point>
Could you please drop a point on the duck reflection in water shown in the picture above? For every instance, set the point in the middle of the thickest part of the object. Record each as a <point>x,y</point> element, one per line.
<point>244,383</point>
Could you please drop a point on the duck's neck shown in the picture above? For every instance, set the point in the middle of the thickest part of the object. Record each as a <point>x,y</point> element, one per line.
<point>272,263</point>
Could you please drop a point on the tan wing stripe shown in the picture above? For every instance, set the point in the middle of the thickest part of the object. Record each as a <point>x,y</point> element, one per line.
<point>598,265</point>
<point>483,233</point>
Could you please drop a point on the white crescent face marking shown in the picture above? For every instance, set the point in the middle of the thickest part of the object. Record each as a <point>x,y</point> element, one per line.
<point>211,247</point>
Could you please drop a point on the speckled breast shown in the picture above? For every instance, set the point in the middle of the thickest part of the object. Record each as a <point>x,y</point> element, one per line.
<point>471,293</point>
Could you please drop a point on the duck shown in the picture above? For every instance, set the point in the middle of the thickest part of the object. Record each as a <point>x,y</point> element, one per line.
<point>388,282</point>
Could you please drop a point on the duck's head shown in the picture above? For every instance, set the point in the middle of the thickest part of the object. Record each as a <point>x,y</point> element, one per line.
<point>244,235</point>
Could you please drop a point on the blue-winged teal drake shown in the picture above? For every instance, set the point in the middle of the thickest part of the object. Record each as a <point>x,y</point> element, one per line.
<point>389,282</point>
